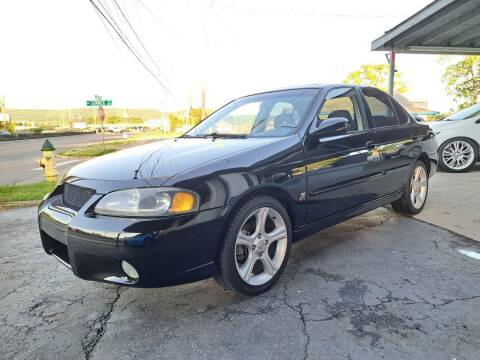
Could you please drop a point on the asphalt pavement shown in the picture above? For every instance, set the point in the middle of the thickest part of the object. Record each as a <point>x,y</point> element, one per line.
<point>18,157</point>
<point>454,202</point>
<point>378,286</point>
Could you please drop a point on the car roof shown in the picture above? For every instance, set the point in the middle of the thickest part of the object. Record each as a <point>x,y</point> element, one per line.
<point>317,86</point>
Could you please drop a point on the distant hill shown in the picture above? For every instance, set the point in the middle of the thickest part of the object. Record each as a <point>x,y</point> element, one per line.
<point>59,116</point>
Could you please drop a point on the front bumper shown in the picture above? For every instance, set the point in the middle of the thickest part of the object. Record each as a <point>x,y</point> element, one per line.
<point>164,251</point>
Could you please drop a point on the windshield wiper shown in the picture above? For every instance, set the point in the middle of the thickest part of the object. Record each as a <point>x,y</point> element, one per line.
<point>216,135</point>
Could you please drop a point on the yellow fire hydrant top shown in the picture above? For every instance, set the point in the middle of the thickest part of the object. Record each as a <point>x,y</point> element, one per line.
<point>48,161</point>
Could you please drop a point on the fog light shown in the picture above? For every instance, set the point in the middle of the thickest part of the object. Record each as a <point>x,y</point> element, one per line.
<point>130,270</point>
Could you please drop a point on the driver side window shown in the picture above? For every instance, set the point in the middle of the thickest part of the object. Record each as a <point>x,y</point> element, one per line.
<point>342,102</point>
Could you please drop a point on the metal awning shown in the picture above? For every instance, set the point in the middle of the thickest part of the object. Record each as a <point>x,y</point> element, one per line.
<point>442,27</point>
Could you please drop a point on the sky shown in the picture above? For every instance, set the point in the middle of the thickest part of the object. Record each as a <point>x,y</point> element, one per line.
<point>59,53</point>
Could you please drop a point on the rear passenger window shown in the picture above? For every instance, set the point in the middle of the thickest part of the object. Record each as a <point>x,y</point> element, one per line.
<point>402,115</point>
<point>381,107</point>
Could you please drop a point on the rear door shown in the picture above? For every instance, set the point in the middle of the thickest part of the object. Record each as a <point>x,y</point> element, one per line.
<point>340,172</point>
<point>398,139</point>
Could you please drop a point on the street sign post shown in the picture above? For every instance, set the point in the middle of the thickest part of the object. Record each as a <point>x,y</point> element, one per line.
<point>101,113</point>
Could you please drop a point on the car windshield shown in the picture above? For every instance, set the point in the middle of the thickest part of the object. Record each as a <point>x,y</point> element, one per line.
<point>270,114</point>
<point>467,113</point>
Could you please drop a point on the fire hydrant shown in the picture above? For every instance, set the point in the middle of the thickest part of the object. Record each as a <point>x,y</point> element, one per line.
<point>47,162</point>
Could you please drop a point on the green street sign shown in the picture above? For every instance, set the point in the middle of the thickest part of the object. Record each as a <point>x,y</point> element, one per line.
<point>97,103</point>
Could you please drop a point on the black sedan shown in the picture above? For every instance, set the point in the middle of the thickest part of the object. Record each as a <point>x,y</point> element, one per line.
<point>228,198</point>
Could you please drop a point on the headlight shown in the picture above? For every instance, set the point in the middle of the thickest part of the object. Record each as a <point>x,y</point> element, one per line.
<point>147,202</point>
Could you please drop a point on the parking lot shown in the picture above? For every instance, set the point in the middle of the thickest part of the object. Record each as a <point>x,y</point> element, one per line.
<point>378,286</point>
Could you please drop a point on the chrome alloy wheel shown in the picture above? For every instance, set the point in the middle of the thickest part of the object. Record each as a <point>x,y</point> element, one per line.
<point>261,246</point>
<point>458,155</point>
<point>419,187</point>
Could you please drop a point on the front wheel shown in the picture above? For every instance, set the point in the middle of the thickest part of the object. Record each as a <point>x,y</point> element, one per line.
<point>256,248</point>
<point>415,195</point>
<point>458,155</point>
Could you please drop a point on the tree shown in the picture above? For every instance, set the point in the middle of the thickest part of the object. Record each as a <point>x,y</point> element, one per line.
<point>11,127</point>
<point>376,75</point>
<point>462,81</point>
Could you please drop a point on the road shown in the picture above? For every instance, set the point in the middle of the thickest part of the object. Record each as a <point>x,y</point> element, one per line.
<point>18,158</point>
<point>378,286</point>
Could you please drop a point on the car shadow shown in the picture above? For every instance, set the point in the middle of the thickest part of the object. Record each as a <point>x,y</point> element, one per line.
<point>197,299</point>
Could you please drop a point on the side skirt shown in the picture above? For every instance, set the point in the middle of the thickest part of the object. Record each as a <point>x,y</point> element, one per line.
<point>329,221</point>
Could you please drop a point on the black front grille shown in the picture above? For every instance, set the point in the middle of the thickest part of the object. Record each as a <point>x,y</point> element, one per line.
<point>75,196</point>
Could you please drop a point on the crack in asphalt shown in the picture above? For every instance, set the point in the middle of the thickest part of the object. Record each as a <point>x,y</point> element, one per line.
<point>449,301</point>
<point>97,328</point>
<point>7,294</point>
<point>229,312</point>
<point>299,310</point>
<point>361,314</point>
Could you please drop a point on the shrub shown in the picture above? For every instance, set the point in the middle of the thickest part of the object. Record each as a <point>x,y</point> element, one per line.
<point>11,127</point>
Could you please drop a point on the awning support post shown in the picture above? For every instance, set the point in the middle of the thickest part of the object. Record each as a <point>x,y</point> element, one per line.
<point>391,74</point>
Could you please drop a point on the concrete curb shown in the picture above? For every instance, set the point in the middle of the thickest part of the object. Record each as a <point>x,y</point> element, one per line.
<point>19,204</point>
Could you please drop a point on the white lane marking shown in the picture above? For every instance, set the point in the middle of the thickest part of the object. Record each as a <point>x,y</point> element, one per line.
<point>58,165</point>
<point>470,253</point>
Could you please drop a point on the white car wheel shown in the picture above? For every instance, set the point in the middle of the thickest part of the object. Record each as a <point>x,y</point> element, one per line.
<point>458,155</point>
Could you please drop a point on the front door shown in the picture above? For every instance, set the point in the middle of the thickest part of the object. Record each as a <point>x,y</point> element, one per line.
<point>340,170</point>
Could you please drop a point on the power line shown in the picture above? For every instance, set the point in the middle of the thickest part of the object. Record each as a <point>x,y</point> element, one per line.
<point>129,48</point>
<point>111,20</point>
<point>141,42</point>
<point>118,28</point>
<point>107,29</point>
<point>160,21</point>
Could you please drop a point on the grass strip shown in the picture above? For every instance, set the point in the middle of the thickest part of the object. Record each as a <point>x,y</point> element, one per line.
<point>97,149</point>
<point>25,192</point>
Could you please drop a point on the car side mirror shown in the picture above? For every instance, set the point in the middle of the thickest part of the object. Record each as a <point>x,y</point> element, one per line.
<point>332,127</point>
<point>420,119</point>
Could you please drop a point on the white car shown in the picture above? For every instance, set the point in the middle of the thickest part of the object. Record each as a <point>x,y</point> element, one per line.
<point>458,138</point>
<point>115,129</point>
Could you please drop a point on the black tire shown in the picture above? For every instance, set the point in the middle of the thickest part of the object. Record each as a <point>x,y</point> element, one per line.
<point>405,205</point>
<point>447,143</point>
<point>227,274</point>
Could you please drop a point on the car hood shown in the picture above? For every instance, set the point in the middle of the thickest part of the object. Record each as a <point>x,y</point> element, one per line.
<point>162,159</point>
<point>443,123</point>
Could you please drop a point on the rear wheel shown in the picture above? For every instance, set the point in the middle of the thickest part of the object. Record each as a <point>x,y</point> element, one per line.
<point>256,247</point>
<point>458,155</point>
<point>415,195</point>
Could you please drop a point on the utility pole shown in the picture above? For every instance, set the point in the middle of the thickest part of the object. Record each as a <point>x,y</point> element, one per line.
<point>165,115</point>
<point>391,74</point>
<point>204,25</point>
<point>190,112</point>
<point>101,117</point>
<point>4,112</point>
<point>203,113</point>
<point>94,120</point>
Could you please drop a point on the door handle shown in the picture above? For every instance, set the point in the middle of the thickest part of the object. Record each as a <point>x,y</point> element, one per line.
<point>371,145</point>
